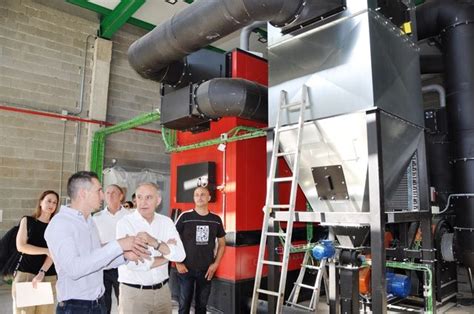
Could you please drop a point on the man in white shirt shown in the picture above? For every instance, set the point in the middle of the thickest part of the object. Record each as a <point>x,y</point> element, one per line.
<point>143,285</point>
<point>75,247</point>
<point>106,223</point>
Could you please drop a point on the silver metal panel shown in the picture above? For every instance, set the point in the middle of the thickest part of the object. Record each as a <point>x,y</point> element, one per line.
<point>396,71</point>
<point>400,141</point>
<point>351,64</point>
<point>340,140</point>
<point>333,61</point>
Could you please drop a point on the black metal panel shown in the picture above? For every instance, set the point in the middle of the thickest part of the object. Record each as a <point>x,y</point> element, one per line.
<point>394,10</point>
<point>189,178</point>
<point>349,285</point>
<point>446,280</point>
<point>436,121</point>
<point>178,111</point>
<point>204,65</point>
<point>330,182</point>
<point>315,11</point>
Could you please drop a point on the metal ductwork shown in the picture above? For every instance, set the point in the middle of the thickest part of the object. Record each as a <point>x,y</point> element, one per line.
<point>221,97</point>
<point>159,54</point>
<point>453,21</point>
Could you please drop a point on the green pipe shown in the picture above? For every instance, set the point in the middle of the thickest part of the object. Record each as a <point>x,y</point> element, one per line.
<point>418,267</point>
<point>309,225</point>
<point>98,141</point>
<point>169,137</point>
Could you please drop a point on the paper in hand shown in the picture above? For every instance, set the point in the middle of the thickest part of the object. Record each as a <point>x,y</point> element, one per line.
<point>26,295</point>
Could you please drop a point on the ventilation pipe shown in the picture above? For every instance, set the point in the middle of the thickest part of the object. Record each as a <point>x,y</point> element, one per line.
<point>453,21</point>
<point>159,55</point>
<point>438,89</point>
<point>245,34</point>
<point>221,97</point>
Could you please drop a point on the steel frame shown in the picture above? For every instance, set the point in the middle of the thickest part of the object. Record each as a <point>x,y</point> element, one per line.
<point>377,219</point>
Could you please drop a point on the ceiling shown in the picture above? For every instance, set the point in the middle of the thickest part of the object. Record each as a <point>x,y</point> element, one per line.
<point>149,13</point>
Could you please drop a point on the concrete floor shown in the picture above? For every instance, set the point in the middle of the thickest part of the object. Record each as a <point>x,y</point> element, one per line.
<point>467,308</point>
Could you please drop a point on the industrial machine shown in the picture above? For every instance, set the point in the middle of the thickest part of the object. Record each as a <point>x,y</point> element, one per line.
<point>397,221</point>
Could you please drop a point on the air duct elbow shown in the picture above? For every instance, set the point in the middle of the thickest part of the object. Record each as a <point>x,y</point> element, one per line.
<point>224,97</point>
<point>435,17</point>
<point>199,25</point>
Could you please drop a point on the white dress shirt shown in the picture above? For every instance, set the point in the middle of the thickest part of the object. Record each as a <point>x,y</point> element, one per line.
<point>78,255</point>
<point>161,228</point>
<point>106,223</point>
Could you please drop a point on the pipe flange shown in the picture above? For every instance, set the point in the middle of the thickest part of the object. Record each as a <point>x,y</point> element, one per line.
<point>450,27</point>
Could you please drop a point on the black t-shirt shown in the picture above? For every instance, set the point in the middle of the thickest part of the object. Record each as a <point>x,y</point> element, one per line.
<point>199,234</point>
<point>32,263</point>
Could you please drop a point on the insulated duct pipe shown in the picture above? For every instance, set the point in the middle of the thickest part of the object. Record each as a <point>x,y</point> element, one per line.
<point>159,54</point>
<point>221,97</point>
<point>454,22</point>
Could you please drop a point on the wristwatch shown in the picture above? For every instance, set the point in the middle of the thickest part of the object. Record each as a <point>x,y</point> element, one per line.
<point>42,271</point>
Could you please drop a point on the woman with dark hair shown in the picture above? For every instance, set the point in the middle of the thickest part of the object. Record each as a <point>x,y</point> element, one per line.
<point>35,264</point>
<point>128,205</point>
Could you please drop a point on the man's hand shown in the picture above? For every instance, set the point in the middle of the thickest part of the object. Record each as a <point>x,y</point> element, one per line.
<point>181,268</point>
<point>158,261</point>
<point>132,257</point>
<point>149,240</point>
<point>211,270</point>
<point>134,244</point>
<point>38,278</point>
<point>164,246</point>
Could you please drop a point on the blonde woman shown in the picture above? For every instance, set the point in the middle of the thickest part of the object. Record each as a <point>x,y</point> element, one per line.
<point>36,264</point>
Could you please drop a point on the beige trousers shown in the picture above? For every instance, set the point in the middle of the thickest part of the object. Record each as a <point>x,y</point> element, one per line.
<point>40,309</point>
<point>138,301</point>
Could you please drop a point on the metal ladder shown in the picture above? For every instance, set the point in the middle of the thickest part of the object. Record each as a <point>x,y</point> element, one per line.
<point>321,276</point>
<point>270,205</point>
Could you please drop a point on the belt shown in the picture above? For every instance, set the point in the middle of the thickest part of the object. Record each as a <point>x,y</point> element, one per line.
<point>152,287</point>
<point>83,302</point>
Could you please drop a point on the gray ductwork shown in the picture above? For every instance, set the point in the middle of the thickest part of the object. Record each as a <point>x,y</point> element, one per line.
<point>159,54</point>
<point>221,97</point>
<point>453,21</point>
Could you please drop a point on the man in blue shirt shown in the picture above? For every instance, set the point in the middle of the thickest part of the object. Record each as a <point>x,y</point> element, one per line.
<point>76,250</point>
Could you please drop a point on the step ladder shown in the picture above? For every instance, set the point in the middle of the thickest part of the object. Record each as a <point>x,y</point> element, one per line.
<point>270,204</point>
<point>298,285</point>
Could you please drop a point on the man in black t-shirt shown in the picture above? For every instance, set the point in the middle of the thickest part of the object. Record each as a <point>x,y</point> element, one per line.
<point>199,229</point>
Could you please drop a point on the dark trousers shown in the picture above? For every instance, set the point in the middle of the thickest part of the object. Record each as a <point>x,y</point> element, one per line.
<point>110,282</point>
<point>186,283</point>
<point>81,307</point>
